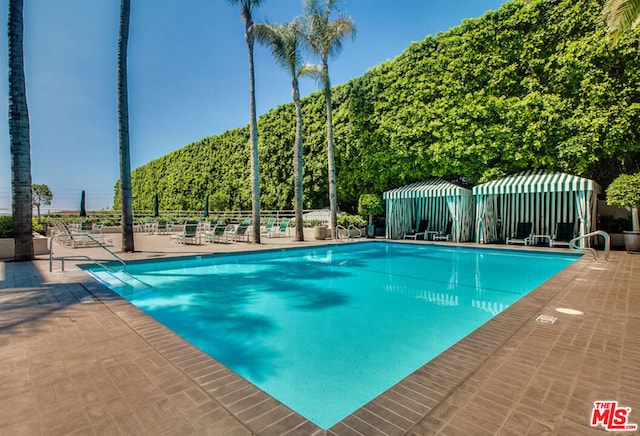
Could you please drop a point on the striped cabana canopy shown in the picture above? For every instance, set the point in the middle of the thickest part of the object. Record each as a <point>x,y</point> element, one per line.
<point>541,197</point>
<point>434,199</point>
<point>536,181</point>
<point>427,188</point>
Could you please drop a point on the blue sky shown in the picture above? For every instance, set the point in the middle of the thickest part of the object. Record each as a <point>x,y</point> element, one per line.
<point>188,78</point>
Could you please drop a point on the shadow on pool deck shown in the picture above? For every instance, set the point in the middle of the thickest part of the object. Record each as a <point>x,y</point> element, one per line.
<point>76,358</point>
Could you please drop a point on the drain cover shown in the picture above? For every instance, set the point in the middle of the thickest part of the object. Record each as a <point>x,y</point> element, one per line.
<point>546,319</point>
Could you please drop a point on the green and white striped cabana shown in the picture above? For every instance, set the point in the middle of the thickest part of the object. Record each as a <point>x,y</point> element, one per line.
<point>435,199</point>
<point>541,197</point>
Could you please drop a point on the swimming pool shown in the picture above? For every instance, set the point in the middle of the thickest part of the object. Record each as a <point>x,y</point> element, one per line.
<point>327,329</point>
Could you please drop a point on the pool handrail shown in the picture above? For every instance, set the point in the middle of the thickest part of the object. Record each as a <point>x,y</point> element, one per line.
<point>607,244</point>
<point>98,243</point>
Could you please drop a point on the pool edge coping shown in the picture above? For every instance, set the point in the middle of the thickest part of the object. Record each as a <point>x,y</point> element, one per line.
<point>400,408</point>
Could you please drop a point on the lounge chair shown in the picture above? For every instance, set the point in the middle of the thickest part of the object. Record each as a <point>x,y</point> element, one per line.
<point>268,227</point>
<point>66,236</point>
<point>239,232</point>
<point>161,228</point>
<point>420,232</point>
<point>565,232</point>
<point>280,229</point>
<point>217,234</point>
<point>444,235</point>
<point>522,235</point>
<point>189,234</point>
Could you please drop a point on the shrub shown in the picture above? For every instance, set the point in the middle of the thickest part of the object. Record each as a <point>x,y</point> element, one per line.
<point>369,205</point>
<point>345,220</point>
<point>624,191</point>
<point>6,226</point>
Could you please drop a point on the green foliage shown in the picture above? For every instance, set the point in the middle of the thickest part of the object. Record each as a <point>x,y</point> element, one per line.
<point>6,226</point>
<point>345,220</point>
<point>531,85</point>
<point>370,204</point>
<point>624,191</point>
<point>41,195</point>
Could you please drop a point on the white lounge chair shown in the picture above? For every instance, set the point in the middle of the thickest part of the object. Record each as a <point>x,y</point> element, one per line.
<point>522,235</point>
<point>189,234</point>
<point>565,232</point>
<point>420,232</point>
<point>444,235</point>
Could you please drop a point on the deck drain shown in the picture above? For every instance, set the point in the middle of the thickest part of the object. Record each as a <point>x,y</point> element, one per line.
<point>546,319</point>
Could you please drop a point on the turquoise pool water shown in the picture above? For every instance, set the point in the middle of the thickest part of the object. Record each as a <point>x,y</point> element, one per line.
<point>327,329</point>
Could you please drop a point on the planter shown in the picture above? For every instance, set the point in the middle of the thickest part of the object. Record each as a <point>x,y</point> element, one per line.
<point>616,240</point>
<point>371,231</point>
<point>632,241</point>
<point>7,247</point>
<point>320,232</point>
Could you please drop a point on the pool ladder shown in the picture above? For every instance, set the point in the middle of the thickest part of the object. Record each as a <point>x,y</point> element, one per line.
<point>102,263</point>
<point>607,244</point>
<point>343,233</point>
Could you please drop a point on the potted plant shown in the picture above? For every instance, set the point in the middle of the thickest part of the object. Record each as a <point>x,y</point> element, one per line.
<point>624,192</point>
<point>7,243</point>
<point>370,204</point>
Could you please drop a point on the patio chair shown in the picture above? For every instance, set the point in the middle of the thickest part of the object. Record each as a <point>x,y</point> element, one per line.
<point>444,235</point>
<point>280,229</point>
<point>420,232</point>
<point>268,227</point>
<point>522,235</point>
<point>73,239</point>
<point>217,234</point>
<point>161,228</point>
<point>238,233</point>
<point>565,232</point>
<point>189,234</point>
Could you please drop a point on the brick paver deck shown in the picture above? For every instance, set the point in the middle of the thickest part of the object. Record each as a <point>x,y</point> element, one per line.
<point>77,359</point>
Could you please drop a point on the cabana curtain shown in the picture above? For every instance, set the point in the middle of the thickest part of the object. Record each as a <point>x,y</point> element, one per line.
<point>438,201</point>
<point>540,197</point>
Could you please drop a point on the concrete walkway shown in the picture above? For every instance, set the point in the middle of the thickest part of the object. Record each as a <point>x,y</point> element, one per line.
<point>77,359</point>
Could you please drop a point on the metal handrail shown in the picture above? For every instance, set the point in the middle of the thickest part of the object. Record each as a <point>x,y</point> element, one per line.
<point>607,244</point>
<point>347,231</point>
<point>353,227</point>
<point>338,228</point>
<point>98,243</point>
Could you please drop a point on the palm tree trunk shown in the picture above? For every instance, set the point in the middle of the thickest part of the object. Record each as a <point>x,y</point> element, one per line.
<point>297,163</point>
<point>253,139</point>
<point>19,137</point>
<point>333,195</point>
<point>123,130</point>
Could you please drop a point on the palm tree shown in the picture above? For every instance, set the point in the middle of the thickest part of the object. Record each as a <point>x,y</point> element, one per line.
<point>123,129</point>
<point>19,137</point>
<point>246,14</point>
<point>325,39</point>
<point>284,40</point>
<point>620,16</point>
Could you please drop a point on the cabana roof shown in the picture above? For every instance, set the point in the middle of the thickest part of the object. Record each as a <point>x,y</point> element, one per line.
<point>535,181</point>
<point>429,188</point>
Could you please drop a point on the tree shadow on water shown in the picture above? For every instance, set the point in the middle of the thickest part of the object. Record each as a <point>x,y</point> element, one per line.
<point>217,312</point>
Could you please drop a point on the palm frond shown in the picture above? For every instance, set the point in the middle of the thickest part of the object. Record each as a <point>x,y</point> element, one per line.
<point>620,16</point>
<point>284,42</point>
<point>314,71</point>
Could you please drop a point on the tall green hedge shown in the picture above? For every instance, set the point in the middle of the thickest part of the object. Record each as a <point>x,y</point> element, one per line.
<point>531,85</point>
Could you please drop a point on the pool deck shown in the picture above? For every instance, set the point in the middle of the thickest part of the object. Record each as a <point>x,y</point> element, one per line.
<point>77,359</point>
